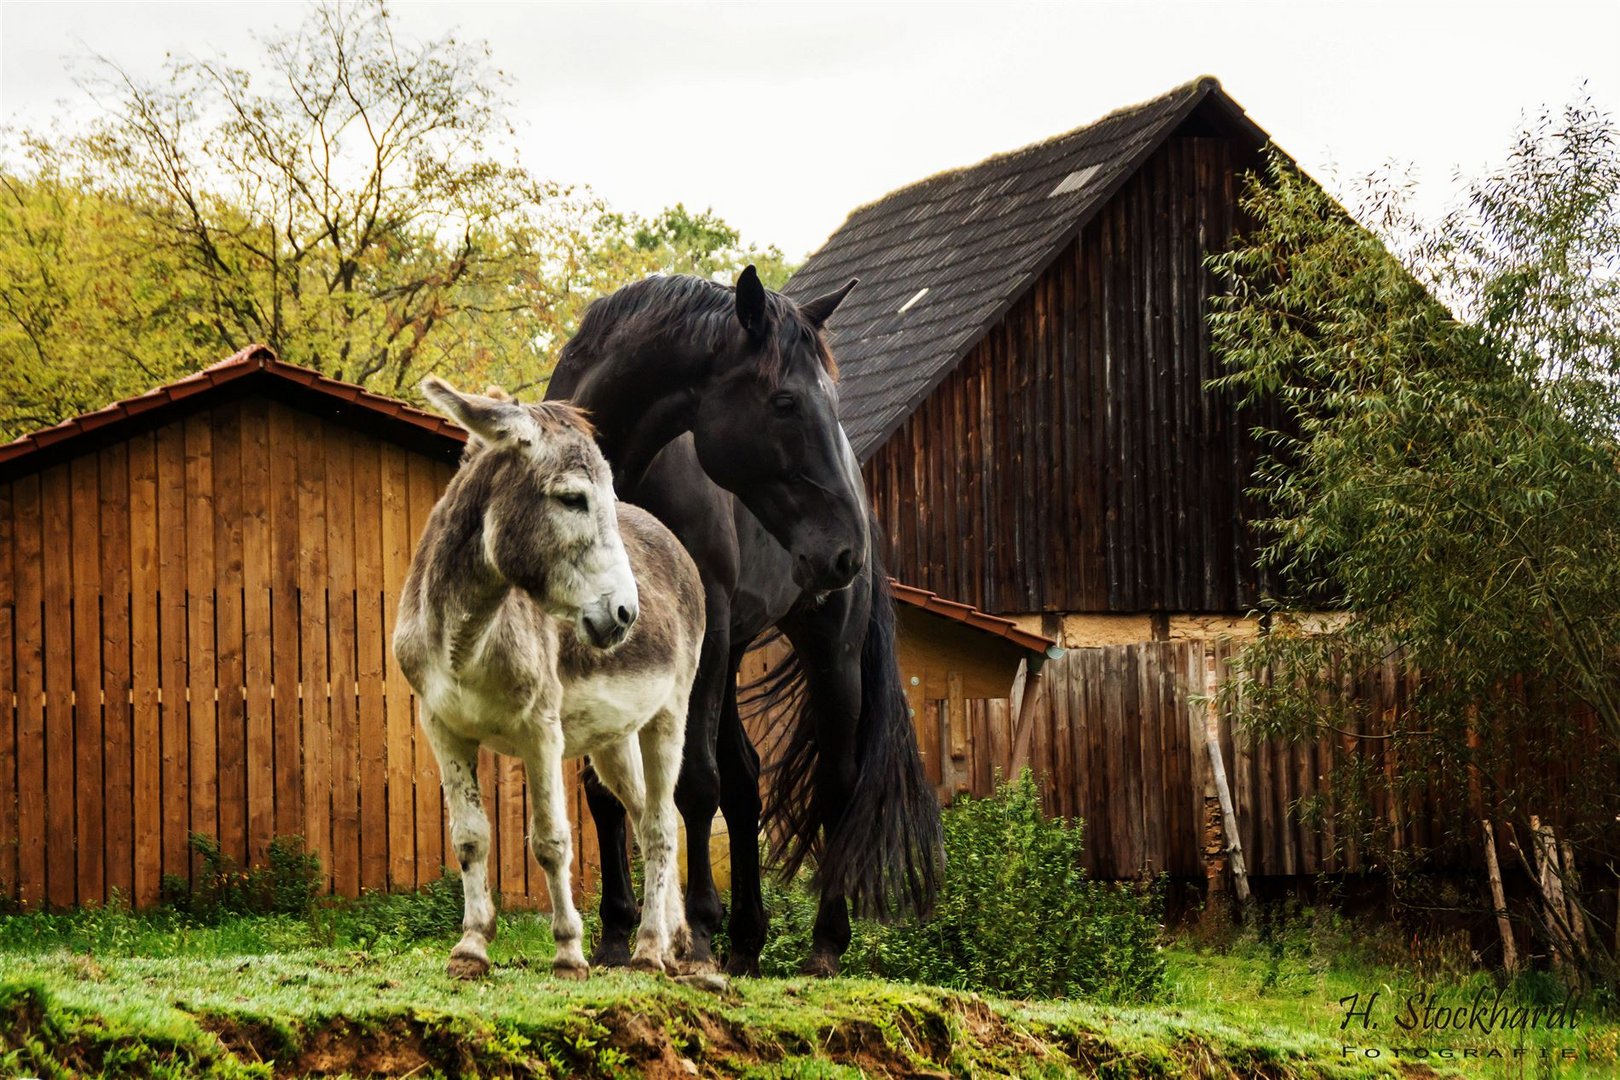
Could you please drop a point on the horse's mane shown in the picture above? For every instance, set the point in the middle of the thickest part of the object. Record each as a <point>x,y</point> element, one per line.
<point>683,310</point>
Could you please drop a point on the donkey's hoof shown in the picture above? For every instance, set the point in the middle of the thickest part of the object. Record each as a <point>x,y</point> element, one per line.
<point>468,965</point>
<point>650,963</point>
<point>820,965</point>
<point>572,970</point>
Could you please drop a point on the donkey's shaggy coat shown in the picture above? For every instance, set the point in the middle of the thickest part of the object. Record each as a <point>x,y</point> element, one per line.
<point>544,619</point>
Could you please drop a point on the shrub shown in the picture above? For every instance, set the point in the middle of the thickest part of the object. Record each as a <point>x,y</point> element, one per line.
<point>286,885</point>
<point>1016,914</point>
<point>380,918</point>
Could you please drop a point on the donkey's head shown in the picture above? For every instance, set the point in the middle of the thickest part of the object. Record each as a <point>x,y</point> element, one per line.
<point>550,521</point>
<point>768,431</point>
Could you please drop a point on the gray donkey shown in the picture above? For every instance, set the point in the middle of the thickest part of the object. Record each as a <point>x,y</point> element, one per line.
<point>544,619</point>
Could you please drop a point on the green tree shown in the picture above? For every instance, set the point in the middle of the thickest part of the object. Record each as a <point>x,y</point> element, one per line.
<point>354,204</point>
<point>1449,478</point>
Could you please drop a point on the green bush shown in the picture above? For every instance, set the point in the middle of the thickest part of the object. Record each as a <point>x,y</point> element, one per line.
<point>1016,915</point>
<point>384,919</point>
<point>286,885</point>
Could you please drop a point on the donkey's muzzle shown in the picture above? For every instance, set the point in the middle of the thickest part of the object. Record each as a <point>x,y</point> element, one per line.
<point>608,624</point>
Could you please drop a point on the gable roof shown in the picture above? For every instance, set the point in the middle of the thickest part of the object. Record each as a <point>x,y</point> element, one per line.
<point>253,369</point>
<point>942,260</point>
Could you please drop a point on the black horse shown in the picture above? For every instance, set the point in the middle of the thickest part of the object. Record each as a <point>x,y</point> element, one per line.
<point>717,409</point>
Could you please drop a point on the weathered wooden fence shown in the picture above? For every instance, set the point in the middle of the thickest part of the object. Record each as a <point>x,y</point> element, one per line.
<point>194,638</point>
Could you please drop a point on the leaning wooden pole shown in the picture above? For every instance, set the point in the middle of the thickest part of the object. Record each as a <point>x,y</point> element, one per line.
<point>1030,699</point>
<point>1510,952</point>
<point>1217,769</point>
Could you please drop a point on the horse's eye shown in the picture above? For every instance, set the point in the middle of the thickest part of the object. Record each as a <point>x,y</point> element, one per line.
<point>574,500</point>
<point>783,403</point>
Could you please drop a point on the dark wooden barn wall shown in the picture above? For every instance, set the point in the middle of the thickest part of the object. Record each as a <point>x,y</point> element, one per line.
<point>194,638</point>
<point>1073,461</point>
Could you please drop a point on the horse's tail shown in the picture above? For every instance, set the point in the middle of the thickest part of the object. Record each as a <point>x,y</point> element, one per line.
<point>884,856</point>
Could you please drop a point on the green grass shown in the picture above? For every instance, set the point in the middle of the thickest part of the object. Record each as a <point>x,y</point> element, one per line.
<point>106,993</point>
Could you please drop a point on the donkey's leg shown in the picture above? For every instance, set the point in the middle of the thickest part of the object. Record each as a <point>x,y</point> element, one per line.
<point>739,801</point>
<point>552,844</point>
<point>618,893</point>
<point>828,641</point>
<point>697,794</point>
<point>661,764</point>
<point>469,833</point>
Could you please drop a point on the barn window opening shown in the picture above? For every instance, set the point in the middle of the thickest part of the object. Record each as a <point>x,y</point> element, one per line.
<point>905,307</point>
<point>1074,181</point>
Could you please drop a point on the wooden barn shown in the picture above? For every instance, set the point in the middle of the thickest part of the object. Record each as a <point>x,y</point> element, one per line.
<point>197,590</point>
<point>1023,373</point>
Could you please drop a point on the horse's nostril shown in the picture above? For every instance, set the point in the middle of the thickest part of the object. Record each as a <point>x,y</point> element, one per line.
<point>624,615</point>
<point>845,563</point>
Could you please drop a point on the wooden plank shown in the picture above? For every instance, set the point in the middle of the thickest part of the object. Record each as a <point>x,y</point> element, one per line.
<point>145,715</point>
<point>117,679</point>
<point>257,636</point>
<point>229,631</point>
<point>340,632</point>
<point>32,759</point>
<point>315,716</point>
<point>202,679</point>
<point>173,649</point>
<point>371,651</point>
<point>396,554</point>
<point>285,431</point>
<point>10,837</point>
<point>423,484</point>
<point>88,745</point>
<point>509,808</point>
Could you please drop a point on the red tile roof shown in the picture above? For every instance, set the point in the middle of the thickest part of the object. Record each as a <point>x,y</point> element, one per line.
<point>255,360</point>
<point>969,615</point>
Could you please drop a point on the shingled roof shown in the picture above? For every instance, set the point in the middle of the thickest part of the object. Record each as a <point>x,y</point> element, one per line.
<point>942,260</point>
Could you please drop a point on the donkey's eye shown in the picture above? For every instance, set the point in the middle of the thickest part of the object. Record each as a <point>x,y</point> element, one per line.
<point>574,500</point>
<point>783,403</point>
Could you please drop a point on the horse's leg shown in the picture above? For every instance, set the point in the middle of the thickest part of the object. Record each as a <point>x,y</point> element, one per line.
<point>828,641</point>
<point>552,843</point>
<point>469,833</point>
<point>739,801</point>
<point>660,744</point>
<point>618,892</point>
<point>697,794</point>
<point>617,773</point>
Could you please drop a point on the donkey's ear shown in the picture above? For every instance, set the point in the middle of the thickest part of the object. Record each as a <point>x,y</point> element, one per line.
<point>819,310</point>
<point>491,420</point>
<point>751,302</point>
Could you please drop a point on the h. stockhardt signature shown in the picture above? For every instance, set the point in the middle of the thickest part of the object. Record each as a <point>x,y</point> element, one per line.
<point>1486,1012</point>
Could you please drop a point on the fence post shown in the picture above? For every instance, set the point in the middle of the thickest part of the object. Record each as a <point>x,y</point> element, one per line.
<point>1217,768</point>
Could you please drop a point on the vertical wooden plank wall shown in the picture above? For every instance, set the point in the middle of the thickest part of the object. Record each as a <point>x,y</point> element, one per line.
<point>1073,461</point>
<point>195,637</point>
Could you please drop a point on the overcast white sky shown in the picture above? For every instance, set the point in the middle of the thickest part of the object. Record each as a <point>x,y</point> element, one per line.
<point>784,117</point>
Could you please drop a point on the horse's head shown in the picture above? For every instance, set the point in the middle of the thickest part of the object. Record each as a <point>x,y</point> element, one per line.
<point>767,430</point>
<point>550,521</point>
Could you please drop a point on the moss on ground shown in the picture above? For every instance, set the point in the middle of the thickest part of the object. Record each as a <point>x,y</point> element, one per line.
<point>205,1003</point>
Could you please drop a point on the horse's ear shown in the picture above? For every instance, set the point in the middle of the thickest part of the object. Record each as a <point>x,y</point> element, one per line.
<point>819,310</point>
<point>491,420</point>
<point>751,302</point>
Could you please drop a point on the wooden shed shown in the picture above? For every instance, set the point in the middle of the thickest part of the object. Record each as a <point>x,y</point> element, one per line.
<point>1022,372</point>
<point>1023,376</point>
<point>197,590</point>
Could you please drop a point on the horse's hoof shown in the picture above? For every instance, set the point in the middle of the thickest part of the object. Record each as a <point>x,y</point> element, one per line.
<point>570,970</point>
<point>742,966</point>
<point>467,965</point>
<point>611,955</point>
<point>820,965</point>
